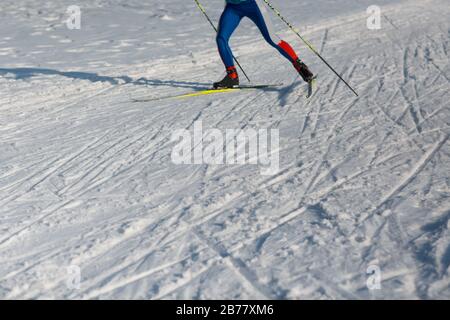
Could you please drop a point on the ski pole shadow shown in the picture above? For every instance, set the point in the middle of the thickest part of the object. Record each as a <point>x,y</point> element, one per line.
<point>28,73</point>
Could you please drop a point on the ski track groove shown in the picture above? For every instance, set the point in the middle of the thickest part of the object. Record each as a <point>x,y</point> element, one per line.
<point>316,170</point>
<point>237,266</point>
<point>129,280</point>
<point>73,198</point>
<point>410,176</point>
<point>20,230</point>
<point>47,175</point>
<point>324,41</point>
<point>99,164</point>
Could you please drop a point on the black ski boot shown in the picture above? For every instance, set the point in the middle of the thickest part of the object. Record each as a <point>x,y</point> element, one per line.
<point>303,70</point>
<point>231,80</point>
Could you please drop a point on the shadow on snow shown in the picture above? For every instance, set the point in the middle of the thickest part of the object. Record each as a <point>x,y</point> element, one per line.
<point>27,73</point>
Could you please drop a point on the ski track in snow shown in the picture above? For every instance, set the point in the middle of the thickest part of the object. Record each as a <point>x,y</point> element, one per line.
<point>86,177</point>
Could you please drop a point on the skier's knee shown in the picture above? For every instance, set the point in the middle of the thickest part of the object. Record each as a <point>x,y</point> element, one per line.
<point>221,41</point>
<point>270,41</point>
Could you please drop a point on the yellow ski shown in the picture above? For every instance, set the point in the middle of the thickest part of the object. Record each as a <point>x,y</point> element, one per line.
<point>205,93</point>
<point>209,92</point>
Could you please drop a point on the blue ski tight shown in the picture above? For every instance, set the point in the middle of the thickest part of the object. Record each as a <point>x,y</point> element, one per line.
<point>229,21</point>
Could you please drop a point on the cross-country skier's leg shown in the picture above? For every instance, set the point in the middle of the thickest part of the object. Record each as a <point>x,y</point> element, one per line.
<point>234,11</point>
<point>254,13</point>
<point>229,21</point>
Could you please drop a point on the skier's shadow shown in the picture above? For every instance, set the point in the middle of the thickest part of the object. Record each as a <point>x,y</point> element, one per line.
<point>284,92</point>
<point>27,73</point>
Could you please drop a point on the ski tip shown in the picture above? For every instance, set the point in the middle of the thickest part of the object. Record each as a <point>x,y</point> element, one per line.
<point>311,84</point>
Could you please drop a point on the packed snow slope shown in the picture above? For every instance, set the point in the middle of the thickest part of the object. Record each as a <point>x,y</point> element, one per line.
<point>86,177</point>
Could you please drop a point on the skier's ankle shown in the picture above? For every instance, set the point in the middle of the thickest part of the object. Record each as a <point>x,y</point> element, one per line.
<point>232,72</point>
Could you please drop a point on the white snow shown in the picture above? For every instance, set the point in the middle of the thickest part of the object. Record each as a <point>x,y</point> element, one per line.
<point>86,177</point>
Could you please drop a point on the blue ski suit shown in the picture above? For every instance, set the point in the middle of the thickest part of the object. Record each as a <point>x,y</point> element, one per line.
<point>234,11</point>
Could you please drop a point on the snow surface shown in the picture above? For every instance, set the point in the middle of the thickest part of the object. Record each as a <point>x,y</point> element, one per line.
<point>86,177</point>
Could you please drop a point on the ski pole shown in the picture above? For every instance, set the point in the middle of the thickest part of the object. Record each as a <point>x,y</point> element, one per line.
<point>307,43</point>
<point>215,29</point>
